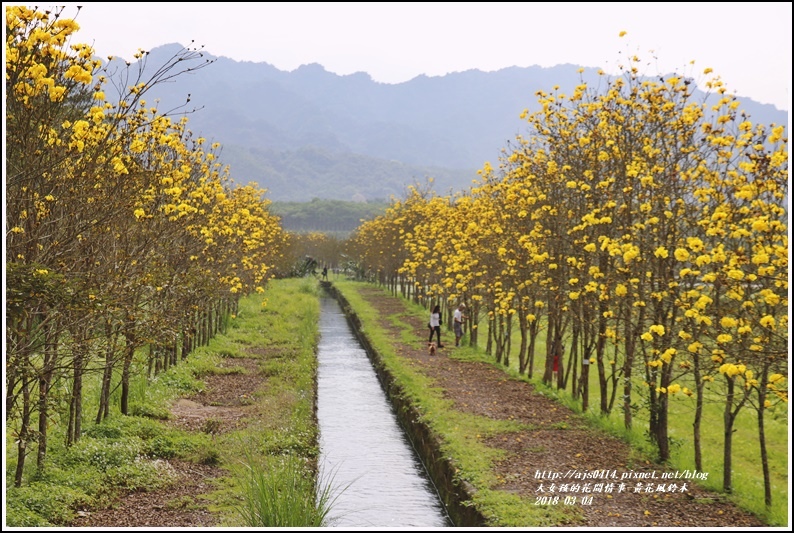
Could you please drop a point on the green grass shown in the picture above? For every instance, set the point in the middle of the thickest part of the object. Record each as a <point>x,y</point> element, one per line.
<point>120,453</point>
<point>280,492</point>
<point>281,438</point>
<point>747,479</point>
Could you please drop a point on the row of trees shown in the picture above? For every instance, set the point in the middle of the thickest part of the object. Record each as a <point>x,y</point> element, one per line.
<point>122,228</point>
<point>644,231</point>
<point>326,216</point>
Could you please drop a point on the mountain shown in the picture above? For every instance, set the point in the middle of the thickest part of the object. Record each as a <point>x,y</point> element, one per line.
<point>310,133</point>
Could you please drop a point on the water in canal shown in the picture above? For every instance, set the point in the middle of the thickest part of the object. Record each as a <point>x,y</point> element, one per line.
<point>363,449</point>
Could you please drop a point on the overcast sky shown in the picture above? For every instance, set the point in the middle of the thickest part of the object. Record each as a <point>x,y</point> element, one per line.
<point>747,43</point>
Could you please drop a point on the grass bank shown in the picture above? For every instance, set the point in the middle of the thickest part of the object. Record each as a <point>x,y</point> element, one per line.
<point>276,441</point>
<point>748,485</point>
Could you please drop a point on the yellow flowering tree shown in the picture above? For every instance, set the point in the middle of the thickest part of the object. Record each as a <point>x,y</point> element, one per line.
<point>426,247</point>
<point>742,264</point>
<point>109,207</point>
<point>648,230</point>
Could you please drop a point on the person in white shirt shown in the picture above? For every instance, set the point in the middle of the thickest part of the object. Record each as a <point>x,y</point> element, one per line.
<point>435,325</point>
<point>457,323</point>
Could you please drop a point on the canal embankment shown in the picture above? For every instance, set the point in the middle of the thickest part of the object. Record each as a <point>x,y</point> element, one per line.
<point>456,494</point>
<point>505,451</point>
<point>377,476</point>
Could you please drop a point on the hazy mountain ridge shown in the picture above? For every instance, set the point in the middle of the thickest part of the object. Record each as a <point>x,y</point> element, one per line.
<point>311,133</point>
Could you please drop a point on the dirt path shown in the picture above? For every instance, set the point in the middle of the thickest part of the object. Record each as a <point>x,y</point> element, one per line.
<point>561,443</point>
<point>222,406</point>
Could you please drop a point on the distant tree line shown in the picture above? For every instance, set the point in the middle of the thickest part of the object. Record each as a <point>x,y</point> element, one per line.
<point>327,216</point>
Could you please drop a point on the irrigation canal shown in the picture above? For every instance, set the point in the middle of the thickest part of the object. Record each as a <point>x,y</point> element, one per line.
<point>376,476</point>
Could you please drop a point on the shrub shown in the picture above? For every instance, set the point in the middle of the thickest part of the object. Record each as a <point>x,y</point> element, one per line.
<point>104,431</point>
<point>20,516</point>
<point>148,410</point>
<point>43,504</point>
<point>140,474</point>
<point>207,455</point>
<point>103,455</point>
<point>162,447</point>
<point>179,379</point>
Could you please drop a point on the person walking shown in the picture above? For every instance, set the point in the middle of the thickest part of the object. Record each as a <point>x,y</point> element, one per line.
<point>457,322</point>
<point>435,325</point>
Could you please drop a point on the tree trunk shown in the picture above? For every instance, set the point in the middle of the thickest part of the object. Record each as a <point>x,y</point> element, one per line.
<point>600,348</point>
<point>522,350</point>
<point>615,379</point>
<point>154,359</point>
<point>205,333</point>
<point>45,384</point>
<point>76,401</point>
<point>473,331</point>
<point>533,335</point>
<point>762,436</point>
<point>499,336</point>
<point>129,352</point>
<point>729,416</point>
<point>508,340</point>
<point>585,387</point>
<point>17,357</point>
<point>107,375</point>
<point>631,334</point>
<point>491,335</point>
<point>553,346</point>
<point>219,316</point>
<point>662,438</point>
<point>696,433</point>
<point>572,372</point>
<point>727,456</point>
<point>24,434</point>
<point>185,343</point>
<point>567,366</point>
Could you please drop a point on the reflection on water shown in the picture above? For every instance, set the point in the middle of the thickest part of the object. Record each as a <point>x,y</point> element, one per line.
<point>378,480</point>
